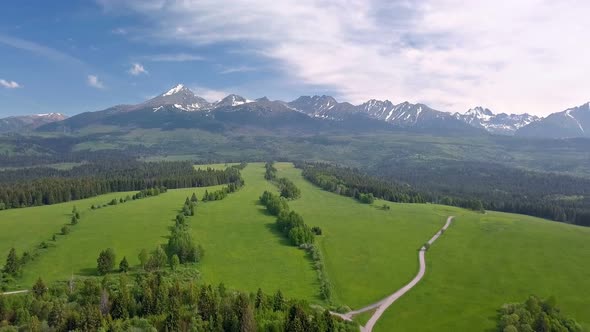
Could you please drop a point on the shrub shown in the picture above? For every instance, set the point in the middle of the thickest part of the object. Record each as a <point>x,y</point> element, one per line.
<point>106,261</point>
<point>316,230</point>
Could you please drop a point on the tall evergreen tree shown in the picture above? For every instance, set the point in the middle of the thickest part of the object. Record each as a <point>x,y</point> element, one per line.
<point>106,261</point>
<point>278,301</point>
<point>12,265</point>
<point>124,265</point>
<point>39,288</point>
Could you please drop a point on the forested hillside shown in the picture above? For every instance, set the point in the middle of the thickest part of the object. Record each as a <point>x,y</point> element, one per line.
<point>557,197</point>
<point>42,186</point>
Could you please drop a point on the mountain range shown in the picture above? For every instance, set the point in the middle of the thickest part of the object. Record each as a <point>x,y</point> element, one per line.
<point>28,122</point>
<point>179,107</point>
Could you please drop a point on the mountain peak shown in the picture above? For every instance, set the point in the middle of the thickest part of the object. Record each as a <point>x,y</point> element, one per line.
<point>232,100</point>
<point>479,110</point>
<point>502,123</point>
<point>178,88</point>
<point>52,116</point>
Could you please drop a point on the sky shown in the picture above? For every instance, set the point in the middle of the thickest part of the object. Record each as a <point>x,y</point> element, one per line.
<point>510,56</point>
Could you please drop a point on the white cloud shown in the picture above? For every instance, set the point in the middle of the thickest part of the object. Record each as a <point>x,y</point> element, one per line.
<point>210,95</point>
<point>511,56</point>
<point>119,31</point>
<point>94,82</point>
<point>238,69</point>
<point>137,69</point>
<point>38,49</point>
<point>173,57</point>
<point>9,84</point>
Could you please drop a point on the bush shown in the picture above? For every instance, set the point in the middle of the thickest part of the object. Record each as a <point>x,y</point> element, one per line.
<point>157,259</point>
<point>288,189</point>
<point>106,261</point>
<point>535,315</point>
<point>316,230</point>
<point>65,230</point>
<point>366,198</point>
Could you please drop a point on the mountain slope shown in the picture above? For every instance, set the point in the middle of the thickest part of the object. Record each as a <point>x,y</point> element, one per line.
<point>28,122</point>
<point>505,124</point>
<point>573,122</point>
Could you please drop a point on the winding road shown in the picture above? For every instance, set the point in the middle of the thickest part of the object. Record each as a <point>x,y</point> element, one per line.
<point>382,305</point>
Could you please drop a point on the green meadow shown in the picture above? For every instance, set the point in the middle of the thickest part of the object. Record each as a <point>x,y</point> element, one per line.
<point>126,227</point>
<point>24,229</point>
<point>369,252</point>
<point>481,262</point>
<point>484,261</point>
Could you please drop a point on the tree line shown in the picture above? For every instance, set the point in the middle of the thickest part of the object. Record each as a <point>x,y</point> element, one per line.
<point>353,183</point>
<point>289,223</point>
<point>14,264</point>
<point>159,301</point>
<point>141,194</point>
<point>535,314</point>
<point>366,188</point>
<point>43,186</point>
<point>553,196</point>
<point>270,171</point>
<point>292,226</point>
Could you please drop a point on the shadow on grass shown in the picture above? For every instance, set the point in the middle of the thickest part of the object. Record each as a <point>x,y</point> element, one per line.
<point>272,227</point>
<point>88,272</point>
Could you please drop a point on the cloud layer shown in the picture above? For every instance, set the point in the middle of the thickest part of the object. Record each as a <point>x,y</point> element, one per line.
<point>511,56</point>
<point>9,84</point>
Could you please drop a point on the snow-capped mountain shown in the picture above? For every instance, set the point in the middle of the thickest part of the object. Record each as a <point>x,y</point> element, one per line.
<point>232,100</point>
<point>324,107</point>
<point>405,115</point>
<point>573,122</point>
<point>179,97</point>
<point>179,107</point>
<point>505,124</point>
<point>28,122</point>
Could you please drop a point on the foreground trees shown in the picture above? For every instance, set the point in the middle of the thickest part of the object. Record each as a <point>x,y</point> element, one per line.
<point>535,314</point>
<point>162,302</point>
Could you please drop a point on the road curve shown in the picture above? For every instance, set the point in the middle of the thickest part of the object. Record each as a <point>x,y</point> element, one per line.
<point>382,305</point>
<point>395,296</point>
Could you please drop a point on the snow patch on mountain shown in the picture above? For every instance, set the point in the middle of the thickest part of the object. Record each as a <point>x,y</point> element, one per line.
<point>506,124</point>
<point>174,90</point>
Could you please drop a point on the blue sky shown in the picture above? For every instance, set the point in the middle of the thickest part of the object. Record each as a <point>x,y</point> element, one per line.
<point>76,56</point>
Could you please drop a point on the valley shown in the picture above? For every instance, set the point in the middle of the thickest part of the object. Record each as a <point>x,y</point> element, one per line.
<point>481,262</point>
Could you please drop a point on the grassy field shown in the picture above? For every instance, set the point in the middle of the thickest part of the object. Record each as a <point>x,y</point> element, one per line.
<point>127,228</point>
<point>24,229</point>
<point>243,251</point>
<point>481,262</point>
<point>368,252</point>
<point>484,261</point>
